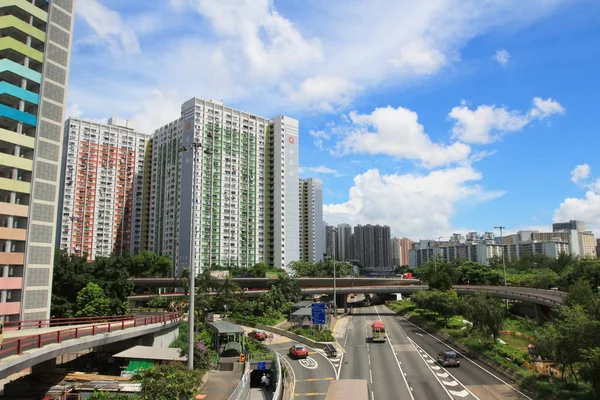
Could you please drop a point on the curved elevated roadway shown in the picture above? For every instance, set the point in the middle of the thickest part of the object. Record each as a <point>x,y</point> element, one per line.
<point>550,298</point>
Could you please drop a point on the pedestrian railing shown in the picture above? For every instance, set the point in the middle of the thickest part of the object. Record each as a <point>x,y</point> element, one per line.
<point>52,322</point>
<point>22,344</point>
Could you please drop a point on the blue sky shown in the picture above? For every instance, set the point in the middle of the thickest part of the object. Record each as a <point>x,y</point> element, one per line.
<point>431,117</point>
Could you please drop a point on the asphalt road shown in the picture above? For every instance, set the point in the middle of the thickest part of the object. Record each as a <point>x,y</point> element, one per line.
<point>405,368</point>
<point>312,375</point>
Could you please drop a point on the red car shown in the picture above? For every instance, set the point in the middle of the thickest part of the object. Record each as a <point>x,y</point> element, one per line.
<point>298,351</point>
<point>258,335</point>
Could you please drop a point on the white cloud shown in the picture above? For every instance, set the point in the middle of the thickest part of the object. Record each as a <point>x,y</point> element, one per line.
<point>580,172</point>
<point>397,132</point>
<point>413,205</point>
<point>502,56</point>
<point>319,170</point>
<point>487,124</point>
<point>585,209</point>
<point>420,58</point>
<point>108,26</point>
<point>297,61</point>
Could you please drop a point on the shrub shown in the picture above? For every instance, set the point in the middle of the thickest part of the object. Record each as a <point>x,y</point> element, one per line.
<point>324,335</point>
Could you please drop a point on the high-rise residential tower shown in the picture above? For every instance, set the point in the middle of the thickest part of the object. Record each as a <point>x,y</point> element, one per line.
<point>372,246</point>
<point>344,233</point>
<point>102,184</point>
<point>311,219</point>
<point>240,172</point>
<point>35,48</point>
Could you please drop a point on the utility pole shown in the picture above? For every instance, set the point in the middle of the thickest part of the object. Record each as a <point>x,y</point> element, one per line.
<point>334,281</point>
<point>192,271</point>
<point>503,259</point>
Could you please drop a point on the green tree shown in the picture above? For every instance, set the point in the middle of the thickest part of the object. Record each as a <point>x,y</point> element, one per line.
<point>565,338</point>
<point>486,314</point>
<point>71,274</point>
<point>147,264</point>
<point>289,287</point>
<point>303,269</point>
<point>581,293</point>
<point>169,381</point>
<point>112,276</point>
<point>92,302</point>
<point>590,368</point>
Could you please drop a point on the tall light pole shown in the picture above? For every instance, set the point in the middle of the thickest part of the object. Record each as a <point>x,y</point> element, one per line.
<point>503,260</point>
<point>334,281</point>
<point>192,271</point>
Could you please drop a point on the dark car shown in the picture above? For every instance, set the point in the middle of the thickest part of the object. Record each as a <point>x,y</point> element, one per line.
<point>258,335</point>
<point>298,351</point>
<point>448,358</point>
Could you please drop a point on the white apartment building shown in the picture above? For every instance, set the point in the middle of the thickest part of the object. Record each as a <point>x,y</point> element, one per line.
<point>476,252</point>
<point>311,219</point>
<point>101,185</point>
<point>238,176</point>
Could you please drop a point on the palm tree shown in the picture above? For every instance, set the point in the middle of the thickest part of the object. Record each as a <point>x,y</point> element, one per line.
<point>286,286</point>
<point>227,288</point>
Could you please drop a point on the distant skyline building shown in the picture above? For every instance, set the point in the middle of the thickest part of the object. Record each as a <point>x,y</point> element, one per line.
<point>244,172</point>
<point>102,183</point>
<point>372,247</point>
<point>344,232</point>
<point>332,244</point>
<point>311,219</point>
<point>35,55</point>
<point>571,225</point>
<point>400,249</point>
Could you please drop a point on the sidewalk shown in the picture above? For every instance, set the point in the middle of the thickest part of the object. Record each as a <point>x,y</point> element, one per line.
<point>219,385</point>
<point>260,394</point>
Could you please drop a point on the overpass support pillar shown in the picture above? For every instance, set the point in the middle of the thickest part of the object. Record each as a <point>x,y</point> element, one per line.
<point>342,301</point>
<point>46,366</point>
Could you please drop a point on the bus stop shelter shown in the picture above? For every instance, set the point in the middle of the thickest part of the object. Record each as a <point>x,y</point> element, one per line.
<point>228,337</point>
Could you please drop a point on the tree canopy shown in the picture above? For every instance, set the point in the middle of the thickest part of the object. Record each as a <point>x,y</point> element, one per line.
<point>92,302</point>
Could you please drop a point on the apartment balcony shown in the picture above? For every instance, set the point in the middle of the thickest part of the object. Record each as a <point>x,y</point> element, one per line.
<point>12,258</point>
<point>13,233</point>
<point>11,283</point>
<point>10,308</point>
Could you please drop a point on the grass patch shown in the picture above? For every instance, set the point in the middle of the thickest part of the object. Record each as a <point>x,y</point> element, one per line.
<point>252,320</point>
<point>401,306</point>
<point>257,351</point>
<point>324,335</point>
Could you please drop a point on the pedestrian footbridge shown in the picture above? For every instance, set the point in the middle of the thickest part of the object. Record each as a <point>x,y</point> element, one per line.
<point>35,348</point>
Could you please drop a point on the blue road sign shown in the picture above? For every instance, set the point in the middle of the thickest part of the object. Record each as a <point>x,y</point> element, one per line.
<point>262,365</point>
<point>318,313</point>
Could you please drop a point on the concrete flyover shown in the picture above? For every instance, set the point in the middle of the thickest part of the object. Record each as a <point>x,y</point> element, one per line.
<point>550,298</point>
<point>265,283</point>
<point>30,351</point>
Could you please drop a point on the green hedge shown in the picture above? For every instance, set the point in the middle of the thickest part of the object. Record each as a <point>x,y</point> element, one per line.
<point>317,335</point>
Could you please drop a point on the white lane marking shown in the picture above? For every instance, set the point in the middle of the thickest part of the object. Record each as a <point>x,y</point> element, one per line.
<point>397,362</point>
<point>435,368</point>
<point>371,376</point>
<point>450,383</point>
<point>462,393</point>
<point>372,395</point>
<point>452,376</point>
<point>442,375</point>
<point>418,334</point>
<point>430,368</point>
<point>309,363</point>
<point>468,359</point>
<point>369,357</point>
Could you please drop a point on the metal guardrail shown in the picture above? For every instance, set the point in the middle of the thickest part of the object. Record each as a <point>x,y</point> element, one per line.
<point>52,322</point>
<point>242,390</point>
<point>18,346</point>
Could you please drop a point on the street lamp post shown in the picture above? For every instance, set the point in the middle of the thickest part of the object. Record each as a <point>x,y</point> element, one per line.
<point>434,255</point>
<point>192,271</point>
<point>503,259</point>
<point>334,277</point>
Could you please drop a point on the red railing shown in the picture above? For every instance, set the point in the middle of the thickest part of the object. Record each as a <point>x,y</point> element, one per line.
<point>18,346</point>
<point>48,323</point>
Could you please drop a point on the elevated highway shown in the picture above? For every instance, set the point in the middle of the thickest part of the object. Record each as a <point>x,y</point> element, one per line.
<point>264,283</point>
<point>544,297</point>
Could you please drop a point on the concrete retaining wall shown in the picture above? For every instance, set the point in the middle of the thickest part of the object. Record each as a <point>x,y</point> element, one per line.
<point>287,334</point>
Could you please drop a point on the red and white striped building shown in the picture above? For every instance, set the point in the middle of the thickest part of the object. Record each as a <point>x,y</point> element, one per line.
<point>102,183</point>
